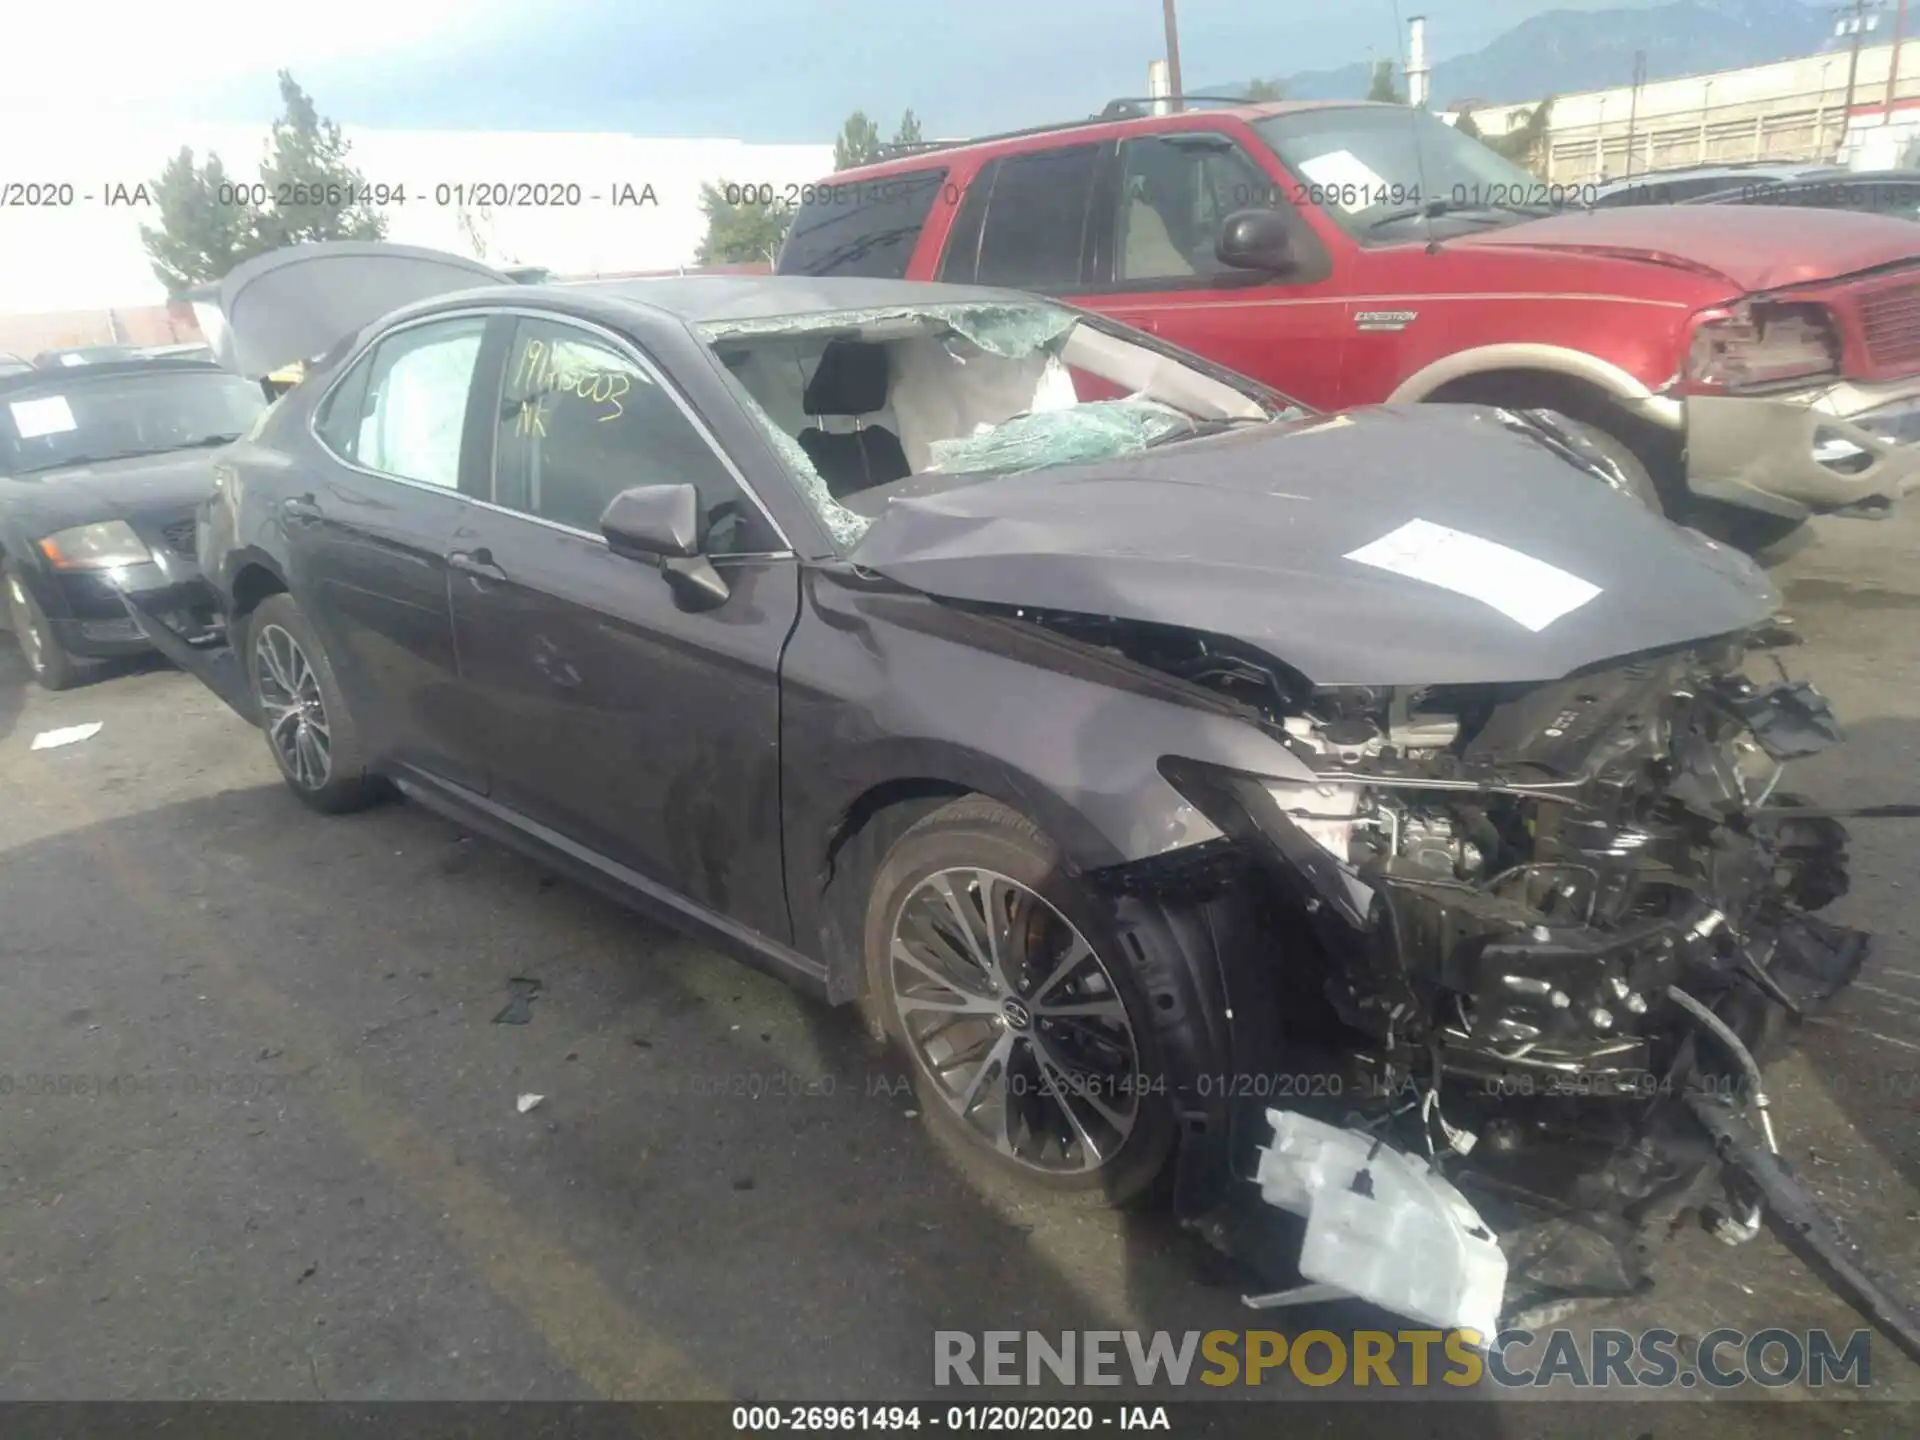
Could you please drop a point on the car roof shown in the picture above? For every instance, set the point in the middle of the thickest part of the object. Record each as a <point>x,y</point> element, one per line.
<point>1745,170</point>
<point>1838,176</point>
<point>325,299</point>
<point>145,365</point>
<point>716,299</point>
<point>928,156</point>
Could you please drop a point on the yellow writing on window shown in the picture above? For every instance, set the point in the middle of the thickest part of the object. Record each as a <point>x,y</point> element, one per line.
<point>541,372</point>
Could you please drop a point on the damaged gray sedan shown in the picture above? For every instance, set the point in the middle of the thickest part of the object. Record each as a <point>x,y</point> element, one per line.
<point>1378,815</point>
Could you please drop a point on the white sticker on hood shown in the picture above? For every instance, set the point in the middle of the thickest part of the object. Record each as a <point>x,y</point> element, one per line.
<point>48,416</point>
<point>1528,591</point>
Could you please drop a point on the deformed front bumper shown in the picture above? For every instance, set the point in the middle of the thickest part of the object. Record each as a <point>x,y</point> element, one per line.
<point>1583,1059</point>
<point>88,617</point>
<point>1838,448</point>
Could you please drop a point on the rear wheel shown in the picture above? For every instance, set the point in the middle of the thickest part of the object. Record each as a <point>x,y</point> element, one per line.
<point>999,973</point>
<point>302,712</point>
<point>52,666</point>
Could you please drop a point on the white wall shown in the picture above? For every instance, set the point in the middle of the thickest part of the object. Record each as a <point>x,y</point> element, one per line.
<point>1793,109</point>
<point>90,255</point>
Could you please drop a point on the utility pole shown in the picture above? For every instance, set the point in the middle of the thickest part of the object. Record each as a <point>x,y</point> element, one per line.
<point>1633,112</point>
<point>1173,55</point>
<point>1893,66</point>
<point>1856,27</point>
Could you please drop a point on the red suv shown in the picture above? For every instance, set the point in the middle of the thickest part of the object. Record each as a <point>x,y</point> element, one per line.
<point>1764,360</point>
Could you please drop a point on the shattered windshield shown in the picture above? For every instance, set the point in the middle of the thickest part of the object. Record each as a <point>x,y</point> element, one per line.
<point>1379,170</point>
<point>858,401</point>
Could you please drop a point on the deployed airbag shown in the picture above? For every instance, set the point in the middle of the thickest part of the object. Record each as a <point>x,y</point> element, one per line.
<point>1382,1226</point>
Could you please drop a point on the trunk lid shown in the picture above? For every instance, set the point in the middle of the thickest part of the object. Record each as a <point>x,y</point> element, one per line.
<point>296,303</point>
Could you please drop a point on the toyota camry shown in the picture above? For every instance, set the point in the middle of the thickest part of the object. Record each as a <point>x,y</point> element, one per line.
<point>1376,809</point>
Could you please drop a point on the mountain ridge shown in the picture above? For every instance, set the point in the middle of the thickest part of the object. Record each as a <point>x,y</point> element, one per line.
<point>1563,52</point>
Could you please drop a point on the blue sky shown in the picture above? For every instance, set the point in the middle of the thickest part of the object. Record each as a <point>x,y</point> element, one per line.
<point>763,70</point>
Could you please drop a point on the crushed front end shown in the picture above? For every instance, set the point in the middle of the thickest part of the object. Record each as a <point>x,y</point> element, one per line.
<point>1543,925</point>
<point>1525,878</point>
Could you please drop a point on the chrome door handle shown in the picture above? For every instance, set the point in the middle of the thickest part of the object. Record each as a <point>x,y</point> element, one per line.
<point>476,562</point>
<point>300,507</point>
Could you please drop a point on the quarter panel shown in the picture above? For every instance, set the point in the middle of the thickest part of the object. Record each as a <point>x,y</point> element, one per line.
<point>370,575</point>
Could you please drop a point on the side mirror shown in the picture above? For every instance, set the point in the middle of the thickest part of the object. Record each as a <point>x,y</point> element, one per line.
<point>649,521</point>
<point>1256,240</point>
<point>664,524</point>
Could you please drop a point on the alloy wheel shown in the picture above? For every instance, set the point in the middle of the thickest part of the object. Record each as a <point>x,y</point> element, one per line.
<point>1016,1020</point>
<point>292,707</point>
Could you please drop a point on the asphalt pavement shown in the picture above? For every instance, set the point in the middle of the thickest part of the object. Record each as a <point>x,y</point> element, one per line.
<point>263,1134</point>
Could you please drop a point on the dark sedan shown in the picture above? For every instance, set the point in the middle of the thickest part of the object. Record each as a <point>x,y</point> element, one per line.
<point>1139,749</point>
<point>101,468</point>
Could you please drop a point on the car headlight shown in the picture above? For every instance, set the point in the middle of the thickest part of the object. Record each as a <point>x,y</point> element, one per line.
<point>1760,346</point>
<point>104,546</point>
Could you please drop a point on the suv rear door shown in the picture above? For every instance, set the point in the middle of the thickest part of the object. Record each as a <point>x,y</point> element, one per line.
<point>1028,221</point>
<point>1128,228</point>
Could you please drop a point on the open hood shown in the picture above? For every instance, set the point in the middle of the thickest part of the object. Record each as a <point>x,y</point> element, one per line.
<point>293,304</point>
<point>1395,545</point>
<point>1765,249</point>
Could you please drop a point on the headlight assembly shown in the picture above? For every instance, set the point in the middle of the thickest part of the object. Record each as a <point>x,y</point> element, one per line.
<point>104,546</point>
<point>1760,347</point>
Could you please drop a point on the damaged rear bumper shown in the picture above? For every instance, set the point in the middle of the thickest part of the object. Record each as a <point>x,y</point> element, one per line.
<point>208,655</point>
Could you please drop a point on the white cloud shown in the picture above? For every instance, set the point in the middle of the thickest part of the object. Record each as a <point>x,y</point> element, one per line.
<point>135,54</point>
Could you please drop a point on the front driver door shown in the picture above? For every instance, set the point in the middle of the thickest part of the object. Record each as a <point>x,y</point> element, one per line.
<point>1174,191</point>
<point>610,715</point>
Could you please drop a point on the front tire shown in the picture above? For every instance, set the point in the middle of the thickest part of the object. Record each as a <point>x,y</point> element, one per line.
<point>1634,476</point>
<point>1768,538</point>
<point>1000,975</point>
<point>49,661</point>
<point>309,729</point>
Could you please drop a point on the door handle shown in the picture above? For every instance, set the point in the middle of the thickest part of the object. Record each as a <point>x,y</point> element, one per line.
<point>300,507</point>
<point>476,562</point>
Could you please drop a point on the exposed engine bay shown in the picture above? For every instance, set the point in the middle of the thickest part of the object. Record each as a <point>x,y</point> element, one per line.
<point>1550,921</point>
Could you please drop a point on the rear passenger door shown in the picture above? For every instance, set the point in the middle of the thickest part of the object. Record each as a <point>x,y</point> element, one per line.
<point>1028,222</point>
<point>367,532</point>
<point>611,717</point>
